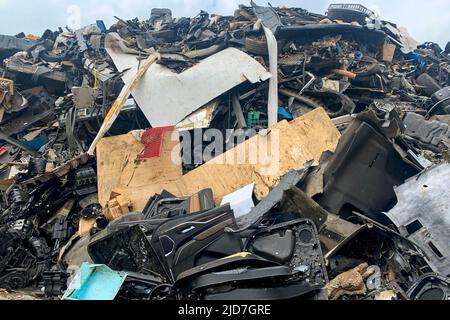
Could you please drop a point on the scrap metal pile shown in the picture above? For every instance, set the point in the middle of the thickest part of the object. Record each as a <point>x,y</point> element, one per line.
<point>99,201</point>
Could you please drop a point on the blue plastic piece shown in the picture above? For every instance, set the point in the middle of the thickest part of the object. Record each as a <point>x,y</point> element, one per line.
<point>339,49</point>
<point>37,143</point>
<point>416,57</point>
<point>358,57</point>
<point>95,282</point>
<point>284,114</point>
<point>101,26</point>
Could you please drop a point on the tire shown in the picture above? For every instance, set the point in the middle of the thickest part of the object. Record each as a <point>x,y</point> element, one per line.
<point>259,47</point>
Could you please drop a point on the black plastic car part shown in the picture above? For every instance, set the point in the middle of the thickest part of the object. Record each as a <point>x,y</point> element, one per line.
<point>430,287</point>
<point>166,205</point>
<point>138,286</point>
<point>244,276</point>
<point>363,172</point>
<point>294,244</point>
<point>235,261</point>
<point>126,249</point>
<point>192,240</point>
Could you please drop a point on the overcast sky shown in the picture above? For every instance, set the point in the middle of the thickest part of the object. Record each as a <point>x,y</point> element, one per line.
<point>427,20</point>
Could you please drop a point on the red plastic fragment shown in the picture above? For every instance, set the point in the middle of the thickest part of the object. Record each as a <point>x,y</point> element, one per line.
<point>152,139</point>
<point>3,151</point>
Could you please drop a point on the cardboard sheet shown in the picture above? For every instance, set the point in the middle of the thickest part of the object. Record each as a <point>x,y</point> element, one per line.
<point>119,170</point>
<point>300,141</point>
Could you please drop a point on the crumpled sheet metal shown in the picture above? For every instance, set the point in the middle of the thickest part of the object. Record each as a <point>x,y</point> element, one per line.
<point>166,98</point>
<point>424,198</point>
